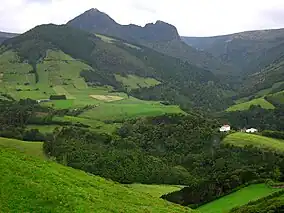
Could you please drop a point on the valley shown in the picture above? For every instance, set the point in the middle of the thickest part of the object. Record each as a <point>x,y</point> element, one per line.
<point>96,116</point>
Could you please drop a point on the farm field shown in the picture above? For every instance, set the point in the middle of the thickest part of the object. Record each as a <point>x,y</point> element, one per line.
<point>95,125</point>
<point>43,128</point>
<point>245,139</point>
<point>59,74</point>
<point>128,108</point>
<point>154,190</point>
<point>29,148</point>
<point>246,105</point>
<point>135,82</point>
<point>50,187</point>
<point>238,198</point>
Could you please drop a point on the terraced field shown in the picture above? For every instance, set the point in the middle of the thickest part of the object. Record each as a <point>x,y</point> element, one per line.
<point>244,139</point>
<point>238,198</point>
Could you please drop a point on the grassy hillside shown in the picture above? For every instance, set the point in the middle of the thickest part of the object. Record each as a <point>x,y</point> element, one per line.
<point>33,185</point>
<point>135,82</point>
<point>154,190</point>
<point>50,59</point>
<point>30,148</point>
<point>246,105</point>
<point>276,98</point>
<point>273,203</point>
<point>238,198</point>
<point>244,139</point>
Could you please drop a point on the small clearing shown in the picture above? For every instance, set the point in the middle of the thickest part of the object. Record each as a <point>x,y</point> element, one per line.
<point>106,98</point>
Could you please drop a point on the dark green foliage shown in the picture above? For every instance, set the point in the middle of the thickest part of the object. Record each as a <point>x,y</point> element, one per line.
<point>273,134</point>
<point>255,117</point>
<point>33,135</point>
<point>58,97</point>
<point>170,149</point>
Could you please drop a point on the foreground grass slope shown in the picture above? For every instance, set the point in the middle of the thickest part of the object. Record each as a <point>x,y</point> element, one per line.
<point>238,198</point>
<point>244,139</point>
<point>28,184</point>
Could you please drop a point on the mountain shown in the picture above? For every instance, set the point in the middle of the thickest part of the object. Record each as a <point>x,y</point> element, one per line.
<point>4,36</point>
<point>101,61</point>
<point>249,51</point>
<point>258,54</point>
<point>159,36</point>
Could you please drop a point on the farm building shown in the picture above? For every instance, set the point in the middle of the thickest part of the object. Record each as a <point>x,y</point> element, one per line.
<point>251,130</point>
<point>225,128</point>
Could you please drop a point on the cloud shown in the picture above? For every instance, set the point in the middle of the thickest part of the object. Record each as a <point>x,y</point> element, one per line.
<point>191,17</point>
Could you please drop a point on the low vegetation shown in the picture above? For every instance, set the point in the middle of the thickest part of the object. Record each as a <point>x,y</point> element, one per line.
<point>238,198</point>
<point>135,82</point>
<point>154,190</point>
<point>262,142</point>
<point>29,148</point>
<point>255,102</point>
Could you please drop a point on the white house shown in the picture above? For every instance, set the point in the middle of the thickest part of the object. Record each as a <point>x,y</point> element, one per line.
<point>251,130</point>
<point>225,128</point>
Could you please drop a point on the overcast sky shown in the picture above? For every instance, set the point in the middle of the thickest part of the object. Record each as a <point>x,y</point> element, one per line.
<point>191,17</point>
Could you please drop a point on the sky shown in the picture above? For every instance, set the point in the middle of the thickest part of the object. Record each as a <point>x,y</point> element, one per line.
<point>191,17</point>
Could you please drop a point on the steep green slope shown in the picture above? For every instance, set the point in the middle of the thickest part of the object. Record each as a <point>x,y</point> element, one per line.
<point>76,54</point>
<point>32,185</point>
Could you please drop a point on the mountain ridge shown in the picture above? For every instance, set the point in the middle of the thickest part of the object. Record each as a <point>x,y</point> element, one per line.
<point>5,35</point>
<point>160,36</point>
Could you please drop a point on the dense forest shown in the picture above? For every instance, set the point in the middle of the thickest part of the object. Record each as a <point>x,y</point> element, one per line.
<point>170,149</point>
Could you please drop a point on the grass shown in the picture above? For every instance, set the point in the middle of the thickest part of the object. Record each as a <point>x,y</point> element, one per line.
<point>30,148</point>
<point>277,97</point>
<point>154,190</point>
<point>238,198</point>
<point>246,105</point>
<point>29,184</point>
<point>43,128</point>
<point>60,74</point>
<point>269,90</point>
<point>106,38</point>
<point>135,82</point>
<point>245,139</point>
<point>95,125</point>
<point>128,108</point>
